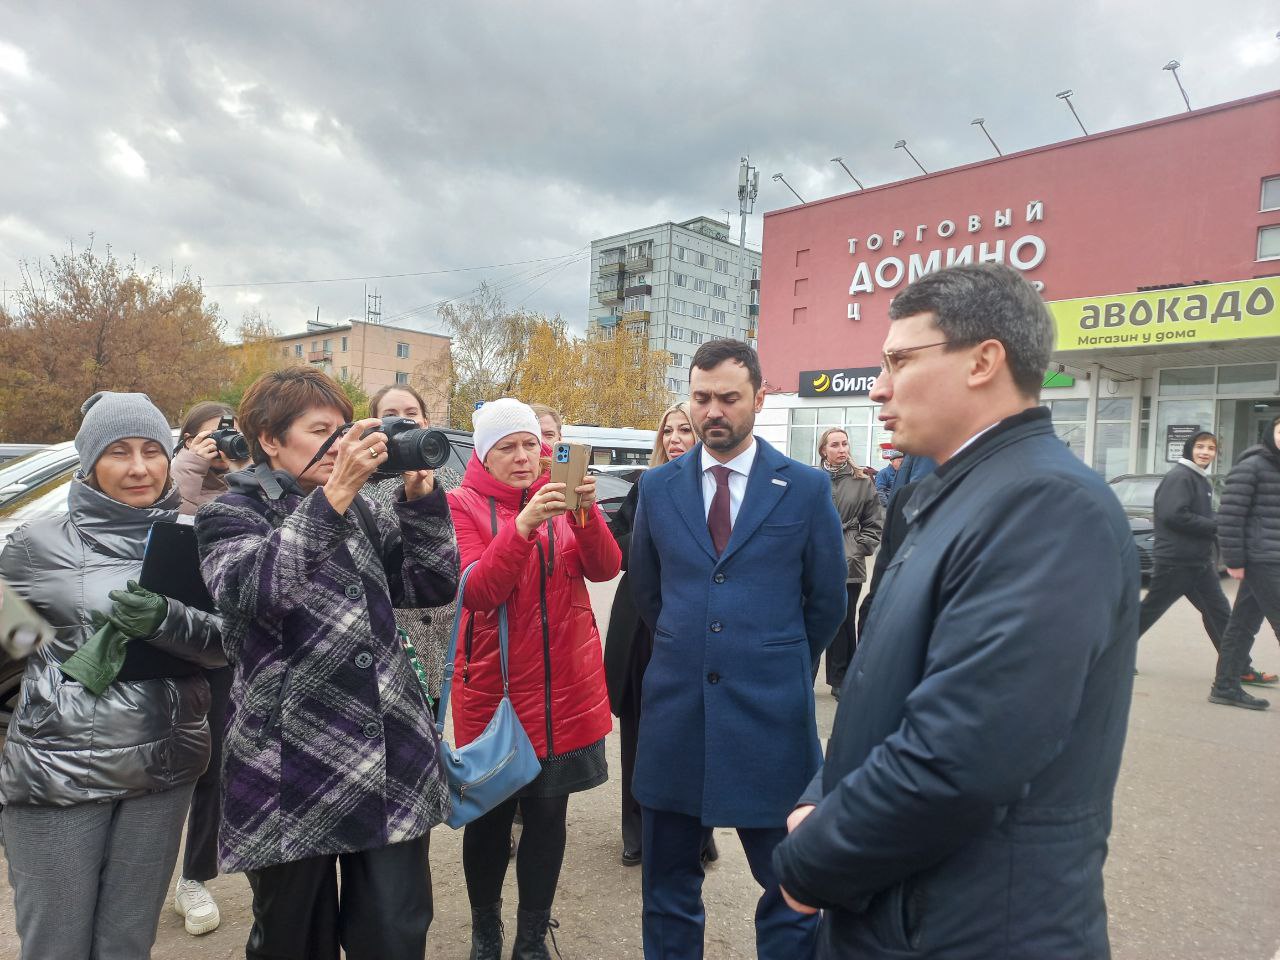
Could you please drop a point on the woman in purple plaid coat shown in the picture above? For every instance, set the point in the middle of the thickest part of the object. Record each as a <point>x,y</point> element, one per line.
<point>330,754</point>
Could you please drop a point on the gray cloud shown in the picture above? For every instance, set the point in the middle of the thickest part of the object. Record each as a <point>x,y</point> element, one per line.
<point>319,140</point>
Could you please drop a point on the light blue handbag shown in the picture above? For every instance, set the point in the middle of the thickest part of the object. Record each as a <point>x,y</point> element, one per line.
<point>500,761</point>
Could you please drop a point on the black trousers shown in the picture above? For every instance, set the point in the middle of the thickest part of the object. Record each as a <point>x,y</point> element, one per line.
<point>1199,584</point>
<point>1258,597</point>
<point>486,844</point>
<point>840,653</point>
<point>629,735</point>
<point>200,858</point>
<point>382,912</point>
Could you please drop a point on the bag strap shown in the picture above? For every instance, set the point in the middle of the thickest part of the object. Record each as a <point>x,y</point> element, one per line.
<point>453,649</point>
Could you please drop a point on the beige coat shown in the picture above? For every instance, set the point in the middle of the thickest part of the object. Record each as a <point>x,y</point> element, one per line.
<point>861,516</point>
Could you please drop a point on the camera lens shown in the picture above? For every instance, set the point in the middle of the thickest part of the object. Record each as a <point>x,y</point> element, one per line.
<point>416,449</point>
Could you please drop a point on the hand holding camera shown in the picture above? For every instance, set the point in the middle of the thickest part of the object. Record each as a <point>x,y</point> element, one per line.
<point>224,447</point>
<point>360,452</point>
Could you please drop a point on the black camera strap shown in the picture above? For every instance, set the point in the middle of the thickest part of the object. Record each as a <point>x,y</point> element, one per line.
<point>324,447</point>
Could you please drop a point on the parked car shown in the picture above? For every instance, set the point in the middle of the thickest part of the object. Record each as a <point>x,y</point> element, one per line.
<point>40,489</point>
<point>11,451</point>
<point>1137,494</point>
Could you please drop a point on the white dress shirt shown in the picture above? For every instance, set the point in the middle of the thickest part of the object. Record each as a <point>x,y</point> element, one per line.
<point>740,469</point>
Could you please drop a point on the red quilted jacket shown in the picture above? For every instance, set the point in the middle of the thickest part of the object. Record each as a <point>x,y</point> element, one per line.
<point>556,671</point>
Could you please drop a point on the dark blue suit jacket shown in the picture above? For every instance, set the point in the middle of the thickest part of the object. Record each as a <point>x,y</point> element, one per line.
<point>727,729</point>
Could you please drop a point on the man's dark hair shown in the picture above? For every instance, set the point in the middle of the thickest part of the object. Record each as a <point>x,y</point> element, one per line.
<point>715,352</point>
<point>278,398</point>
<point>990,301</point>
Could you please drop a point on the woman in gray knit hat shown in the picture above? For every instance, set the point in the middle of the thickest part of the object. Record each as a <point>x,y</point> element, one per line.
<point>95,785</point>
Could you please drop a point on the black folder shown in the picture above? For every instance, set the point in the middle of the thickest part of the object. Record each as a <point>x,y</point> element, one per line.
<point>171,565</point>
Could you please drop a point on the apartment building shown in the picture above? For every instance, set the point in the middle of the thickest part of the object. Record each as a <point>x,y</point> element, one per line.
<point>680,283</point>
<point>376,355</point>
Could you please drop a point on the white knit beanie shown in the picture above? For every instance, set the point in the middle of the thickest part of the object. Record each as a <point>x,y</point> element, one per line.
<point>501,418</point>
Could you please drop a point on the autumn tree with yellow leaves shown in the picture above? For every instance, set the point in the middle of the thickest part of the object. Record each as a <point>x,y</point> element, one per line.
<point>86,321</point>
<point>609,381</point>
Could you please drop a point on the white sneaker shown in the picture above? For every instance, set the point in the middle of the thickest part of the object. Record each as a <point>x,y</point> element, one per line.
<point>194,903</point>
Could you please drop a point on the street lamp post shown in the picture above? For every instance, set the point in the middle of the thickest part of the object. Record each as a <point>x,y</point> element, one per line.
<point>840,160</point>
<point>780,177</point>
<point>1066,95</point>
<point>1172,66</point>
<point>979,122</point>
<point>902,145</point>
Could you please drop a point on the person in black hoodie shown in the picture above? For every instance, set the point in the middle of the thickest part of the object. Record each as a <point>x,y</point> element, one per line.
<point>1249,532</point>
<point>1185,538</point>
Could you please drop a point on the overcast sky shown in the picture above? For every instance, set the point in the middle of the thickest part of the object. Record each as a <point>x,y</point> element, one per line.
<point>254,142</point>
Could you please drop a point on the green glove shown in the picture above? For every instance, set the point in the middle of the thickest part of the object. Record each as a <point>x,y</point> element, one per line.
<point>98,662</point>
<point>138,612</point>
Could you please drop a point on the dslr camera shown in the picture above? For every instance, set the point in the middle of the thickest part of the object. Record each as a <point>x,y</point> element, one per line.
<point>231,442</point>
<point>411,447</point>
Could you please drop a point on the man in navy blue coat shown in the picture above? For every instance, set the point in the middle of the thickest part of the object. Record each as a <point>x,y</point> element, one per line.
<point>737,565</point>
<point>965,803</point>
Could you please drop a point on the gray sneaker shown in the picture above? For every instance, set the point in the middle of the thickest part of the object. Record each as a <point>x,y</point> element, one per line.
<point>1237,698</point>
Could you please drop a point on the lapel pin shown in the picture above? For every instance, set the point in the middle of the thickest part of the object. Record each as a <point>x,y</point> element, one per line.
<point>781,483</point>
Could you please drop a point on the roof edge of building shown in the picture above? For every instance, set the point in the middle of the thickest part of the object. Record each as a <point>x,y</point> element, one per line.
<point>1101,135</point>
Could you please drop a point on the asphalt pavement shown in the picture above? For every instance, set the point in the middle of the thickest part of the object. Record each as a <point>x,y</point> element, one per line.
<point>1194,870</point>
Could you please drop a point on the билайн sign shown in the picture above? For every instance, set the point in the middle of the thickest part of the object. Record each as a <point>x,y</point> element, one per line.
<point>848,382</point>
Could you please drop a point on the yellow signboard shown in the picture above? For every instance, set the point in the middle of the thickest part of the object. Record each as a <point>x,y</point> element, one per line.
<point>1206,313</point>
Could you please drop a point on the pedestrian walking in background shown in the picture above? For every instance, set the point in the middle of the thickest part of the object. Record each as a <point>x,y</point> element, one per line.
<point>1184,554</point>
<point>200,470</point>
<point>629,642</point>
<point>1249,535</point>
<point>95,788</point>
<point>331,755</point>
<point>886,476</point>
<point>861,517</point>
<point>965,803</point>
<point>428,629</point>
<point>737,566</point>
<point>534,557</point>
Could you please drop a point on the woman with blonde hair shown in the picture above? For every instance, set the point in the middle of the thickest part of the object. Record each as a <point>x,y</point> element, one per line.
<point>629,643</point>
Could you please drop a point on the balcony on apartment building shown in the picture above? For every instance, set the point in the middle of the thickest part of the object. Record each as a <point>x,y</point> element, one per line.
<point>635,316</point>
<point>638,290</point>
<point>320,356</point>
<point>612,263</point>
<point>610,290</point>
<point>755,284</point>
<point>639,263</point>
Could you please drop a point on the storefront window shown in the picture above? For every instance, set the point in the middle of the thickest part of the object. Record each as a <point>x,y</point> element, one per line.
<point>808,424</point>
<point>1111,436</point>
<point>1186,381</point>
<point>1175,421</point>
<point>1257,378</point>
<point>1068,422</point>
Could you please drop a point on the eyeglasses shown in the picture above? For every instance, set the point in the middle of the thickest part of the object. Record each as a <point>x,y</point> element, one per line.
<point>891,360</point>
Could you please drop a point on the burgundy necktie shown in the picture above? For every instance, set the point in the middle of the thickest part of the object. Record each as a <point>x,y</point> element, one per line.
<point>718,519</point>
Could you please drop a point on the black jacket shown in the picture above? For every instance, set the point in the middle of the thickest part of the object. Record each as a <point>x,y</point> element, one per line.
<point>965,803</point>
<point>627,643</point>
<point>1184,524</point>
<point>1249,515</point>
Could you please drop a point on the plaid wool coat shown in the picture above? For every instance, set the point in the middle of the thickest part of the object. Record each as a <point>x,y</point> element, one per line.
<point>329,744</point>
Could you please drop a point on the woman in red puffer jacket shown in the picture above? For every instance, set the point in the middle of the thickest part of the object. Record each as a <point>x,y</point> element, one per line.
<point>534,557</point>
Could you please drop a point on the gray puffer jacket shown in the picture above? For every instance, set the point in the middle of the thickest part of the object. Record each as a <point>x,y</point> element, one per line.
<point>1249,512</point>
<point>66,746</point>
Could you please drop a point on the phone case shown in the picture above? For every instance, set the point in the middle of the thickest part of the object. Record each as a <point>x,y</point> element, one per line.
<point>568,466</point>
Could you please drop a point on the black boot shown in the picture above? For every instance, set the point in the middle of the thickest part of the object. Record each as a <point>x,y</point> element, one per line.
<point>486,932</point>
<point>531,935</point>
